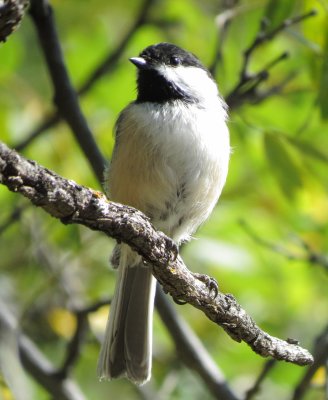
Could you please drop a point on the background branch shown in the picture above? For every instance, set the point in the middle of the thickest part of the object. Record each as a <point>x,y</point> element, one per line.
<point>65,97</point>
<point>267,368</point>
<point>75,345</point>
<point>191,350</point>
<point>306,253</point>
<point>265,35</point>
<point>36,363</point>
<point>320,353</point>
<point>11,218</point>
<point>245,89</point>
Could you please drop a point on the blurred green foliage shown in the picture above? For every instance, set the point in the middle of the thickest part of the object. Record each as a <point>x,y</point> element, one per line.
<point>277,186</point>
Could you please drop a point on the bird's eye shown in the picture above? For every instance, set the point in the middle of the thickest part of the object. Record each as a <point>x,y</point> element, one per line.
<point>174,60</point>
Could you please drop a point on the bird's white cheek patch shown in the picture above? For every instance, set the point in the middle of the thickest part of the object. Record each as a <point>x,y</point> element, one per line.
<point>191,80</point>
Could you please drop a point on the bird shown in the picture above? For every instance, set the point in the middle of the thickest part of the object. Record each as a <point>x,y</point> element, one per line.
<point>170,161</point>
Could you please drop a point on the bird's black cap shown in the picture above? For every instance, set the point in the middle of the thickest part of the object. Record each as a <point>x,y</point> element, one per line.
<point>169,54</point>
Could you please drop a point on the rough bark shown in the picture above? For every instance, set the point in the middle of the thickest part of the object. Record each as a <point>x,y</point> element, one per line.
<point>75,204</point>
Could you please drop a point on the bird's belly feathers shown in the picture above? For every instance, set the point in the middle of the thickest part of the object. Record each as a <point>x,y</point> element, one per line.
<point>171,163</point>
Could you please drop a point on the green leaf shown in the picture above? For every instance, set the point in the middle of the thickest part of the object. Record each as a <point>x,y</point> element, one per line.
<point>323,92</point>
<point>277,13</point>
<point>282,164</point>
<point>308,149</point>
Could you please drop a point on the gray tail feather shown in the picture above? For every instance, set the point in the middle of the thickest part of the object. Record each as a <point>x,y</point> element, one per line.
<point>127,346</point>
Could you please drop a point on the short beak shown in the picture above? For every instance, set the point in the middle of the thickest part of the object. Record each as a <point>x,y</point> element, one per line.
<point>139,62</point>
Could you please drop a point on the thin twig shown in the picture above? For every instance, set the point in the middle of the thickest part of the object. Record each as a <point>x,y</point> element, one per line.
<point>92,307</point>
<point>110,61</point>
<point>307,253</point>
<point>74,347</point>
<point>58,277</point>
<point>273,90</point>
<point>320,359</point>
<point>267,367</point>
<point>265,35</point>
<point>223,22</point>
<point>245,89</point>
<point>13,217</point>
<point>46,124</point>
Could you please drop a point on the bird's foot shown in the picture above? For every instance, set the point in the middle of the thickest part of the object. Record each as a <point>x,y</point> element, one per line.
<point>211,283</point>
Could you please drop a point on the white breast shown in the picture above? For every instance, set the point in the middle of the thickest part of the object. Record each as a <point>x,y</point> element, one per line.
<point>175,162</point>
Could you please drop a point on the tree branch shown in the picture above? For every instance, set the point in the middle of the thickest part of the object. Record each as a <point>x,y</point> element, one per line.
<point>13,217</point>
<point>74,347</point>
<point>265,35</point>
<point>222,22</point>
<point>65,97</point>
<point>245,89</point>
<point>305,253</point>
<point>267,367</point>
<point>37,365</point>
<point>111,60</point>
<point>72,203</point>
<point>191,350</point>
<point>320,358</point>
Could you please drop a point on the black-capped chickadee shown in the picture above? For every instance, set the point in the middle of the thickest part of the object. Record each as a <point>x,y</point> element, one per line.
<point>170,161</point>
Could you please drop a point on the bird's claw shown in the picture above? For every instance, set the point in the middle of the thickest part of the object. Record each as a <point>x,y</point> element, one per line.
<point>171,247</point>
<point>211,283</point>
<point>179,302</point>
